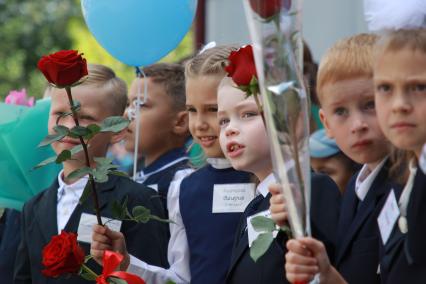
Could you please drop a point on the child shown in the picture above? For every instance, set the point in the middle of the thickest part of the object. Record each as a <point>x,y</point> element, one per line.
<point>328,159</point>
<point>400,93</point>
<point>209,204</point>
<point>346,94</point>
<point>244,141</point>
<point>163,127</point>
<point>57,208</point>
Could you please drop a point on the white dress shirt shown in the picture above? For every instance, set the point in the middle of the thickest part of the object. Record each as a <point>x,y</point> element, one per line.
<point>178,249</point>
<point>262,188</point>
<point>365,179</point>
<point>67,199</point>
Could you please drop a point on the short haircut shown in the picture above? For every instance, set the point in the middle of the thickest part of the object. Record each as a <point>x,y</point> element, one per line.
<point>414,39</point>
<point>171,76</point>
<point>104,78</point>
<point>348,58</point>
<point>209,62</point>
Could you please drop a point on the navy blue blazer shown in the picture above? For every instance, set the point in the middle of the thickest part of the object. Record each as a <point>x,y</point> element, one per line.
<point>9,241</point>
<point>357,257</point>
<point>39,223</point>
<point>403,258</point>
<point>269,269</point>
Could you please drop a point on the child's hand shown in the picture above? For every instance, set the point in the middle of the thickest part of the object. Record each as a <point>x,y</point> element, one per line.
<point>305,258</point>
<point>277,205</point>
<point>105,239</point>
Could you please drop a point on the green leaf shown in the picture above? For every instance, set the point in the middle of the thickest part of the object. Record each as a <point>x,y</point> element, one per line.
<point>170,282</point>
<point>94,129</point>
<point>74,150</point>
<point>78,173</point>
<point>263,224</point>
<point>60,132</point>
<point>115,280</point>
<point>119,210</point>
<point>88,276</point>
<point>100,175</point>
<point>141,214</point>
<point>260,245</point>
<point>87,258</point>
<point>114,124</point>
<point>78,131</point>
<point>119,173</point>
<point>63,156</point>
<point>86,193</point>
<point>102,161</point>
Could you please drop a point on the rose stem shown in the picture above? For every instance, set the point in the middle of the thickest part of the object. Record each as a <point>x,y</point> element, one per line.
<point>86,155</point>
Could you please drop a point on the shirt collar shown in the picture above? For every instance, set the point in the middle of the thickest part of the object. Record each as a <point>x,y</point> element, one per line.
<point>262,188</point>
<point>366,178</point>
<point>219,163</point>
<point>165,159</point>
<point>77,186</point>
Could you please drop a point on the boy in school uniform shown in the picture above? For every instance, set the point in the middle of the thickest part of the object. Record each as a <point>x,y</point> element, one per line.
<point>163,123</point>
<point>346,94</point>
<point>57,208</point>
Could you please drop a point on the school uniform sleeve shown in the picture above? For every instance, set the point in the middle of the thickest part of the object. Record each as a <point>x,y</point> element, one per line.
<point>178,250</point>
<point>22,271</point>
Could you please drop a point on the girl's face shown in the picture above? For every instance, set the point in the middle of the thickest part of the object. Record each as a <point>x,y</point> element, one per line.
<point>400,94</point>
<point>201,104</point>
<point>242,133</point>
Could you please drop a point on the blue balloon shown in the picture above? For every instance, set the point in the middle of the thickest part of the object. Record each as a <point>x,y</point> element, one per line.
<point>139,32</point>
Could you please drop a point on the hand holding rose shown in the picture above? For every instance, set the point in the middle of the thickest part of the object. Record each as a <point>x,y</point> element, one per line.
<point>278,205</point>
<point>307,257</point>
<point>104,239</point>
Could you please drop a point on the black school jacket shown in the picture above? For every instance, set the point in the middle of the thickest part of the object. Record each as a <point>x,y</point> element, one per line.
<point>39,223</point>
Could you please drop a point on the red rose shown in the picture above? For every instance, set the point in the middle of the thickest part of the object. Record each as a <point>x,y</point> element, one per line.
<point>62,255</point>
<point>241,66</point>
<point>268,8</point>
<point>63,68</point>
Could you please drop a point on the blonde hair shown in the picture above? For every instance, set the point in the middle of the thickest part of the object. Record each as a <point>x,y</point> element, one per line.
<point>104,78</point>
<point>348,58</point>
<point>414,40</point>
<point>210,62</point>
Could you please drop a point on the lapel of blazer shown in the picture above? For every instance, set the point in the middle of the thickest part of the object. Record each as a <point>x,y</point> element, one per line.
<point>242,244</point>
<point>45,212</point>
<point>377,190</point>
<point>347,211</point>
<point>104,191</point>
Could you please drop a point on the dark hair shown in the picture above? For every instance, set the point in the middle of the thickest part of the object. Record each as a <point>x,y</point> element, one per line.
<point>172,77</point>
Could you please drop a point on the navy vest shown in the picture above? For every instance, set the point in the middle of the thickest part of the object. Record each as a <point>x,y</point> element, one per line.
<point>210,235</point>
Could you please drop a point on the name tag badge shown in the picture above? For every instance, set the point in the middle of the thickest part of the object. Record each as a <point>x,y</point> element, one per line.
<point>251,232</point>
<point>232,198</point>
<point>153,186</point>
<point>87,221</point>
<point>388,217</point>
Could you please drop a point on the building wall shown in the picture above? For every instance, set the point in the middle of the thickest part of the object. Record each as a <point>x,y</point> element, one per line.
<point>324,22</point>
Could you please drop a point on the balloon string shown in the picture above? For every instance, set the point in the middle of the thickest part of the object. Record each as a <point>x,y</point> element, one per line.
<point>139,74</point>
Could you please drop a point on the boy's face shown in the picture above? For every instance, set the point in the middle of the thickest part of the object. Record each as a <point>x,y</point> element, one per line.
<point>349,116</point>
<point>94,109</point>
<point>156,119</point>
<point>400,92</point>
<point>201,104</point>
<point>243,136</point>
<point>335,168</point>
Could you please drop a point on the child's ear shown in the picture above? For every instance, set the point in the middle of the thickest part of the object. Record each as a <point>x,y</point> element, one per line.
<point>117,137</point>
<point>324,122</point>
<point>180,126</point>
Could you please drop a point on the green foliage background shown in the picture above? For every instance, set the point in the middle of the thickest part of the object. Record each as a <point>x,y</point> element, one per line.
<point>30,29</point>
